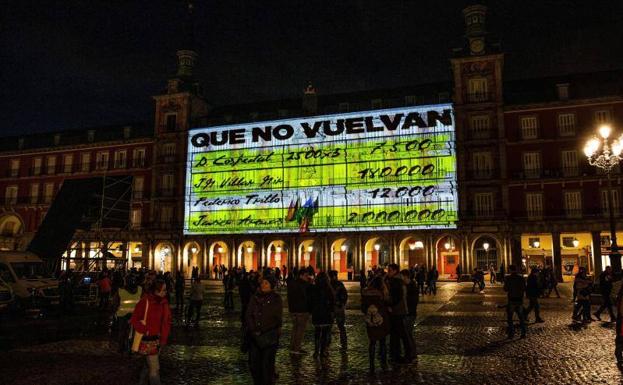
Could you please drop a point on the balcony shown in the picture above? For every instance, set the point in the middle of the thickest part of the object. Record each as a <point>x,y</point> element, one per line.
<point>165,192</point>
<point>482,174</point>
<point>167,158</point>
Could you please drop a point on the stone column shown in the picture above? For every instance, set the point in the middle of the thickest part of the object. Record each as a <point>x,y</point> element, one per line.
<point>596,243</point>
<point>557,255</point>
<point>516,251</point>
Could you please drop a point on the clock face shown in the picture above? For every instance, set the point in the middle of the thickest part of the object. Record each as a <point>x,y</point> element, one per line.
<point>477,45</point>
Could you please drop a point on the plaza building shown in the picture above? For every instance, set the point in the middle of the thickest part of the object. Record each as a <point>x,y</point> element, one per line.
<point>526,193</point>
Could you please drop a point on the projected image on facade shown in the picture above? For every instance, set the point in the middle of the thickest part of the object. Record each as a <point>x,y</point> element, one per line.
<point>373,170</point>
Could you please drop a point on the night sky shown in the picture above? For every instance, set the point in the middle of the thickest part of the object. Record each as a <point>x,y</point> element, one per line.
<point>72,64</point>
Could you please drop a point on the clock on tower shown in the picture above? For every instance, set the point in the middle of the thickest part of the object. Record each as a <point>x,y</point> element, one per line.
<point>477,46</point>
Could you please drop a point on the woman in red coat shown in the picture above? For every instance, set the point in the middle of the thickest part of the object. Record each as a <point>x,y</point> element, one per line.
<point>156,327</point>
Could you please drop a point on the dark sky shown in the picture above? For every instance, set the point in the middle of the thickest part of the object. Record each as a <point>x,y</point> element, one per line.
<point>70,64</point>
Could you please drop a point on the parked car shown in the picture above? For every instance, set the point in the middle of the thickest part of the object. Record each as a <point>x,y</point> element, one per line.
<point>7,298</point>
<point>26,274</point>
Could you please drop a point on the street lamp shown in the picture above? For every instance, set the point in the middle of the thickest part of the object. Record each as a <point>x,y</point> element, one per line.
<point>343,247</point>
<point>536,244</point>
<point>249,250</point>
<point>278,249</point>
<point>606,156</point>
<point>193,250</point>
<point>485,246</point>
<point>576,243</point>
<point>310,249</point>
<point>377,247</point>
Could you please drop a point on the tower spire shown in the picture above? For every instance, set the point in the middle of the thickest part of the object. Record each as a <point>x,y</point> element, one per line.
<point>187,55</point>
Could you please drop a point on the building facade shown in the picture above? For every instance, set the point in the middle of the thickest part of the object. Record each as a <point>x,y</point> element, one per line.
<point>526,193</point>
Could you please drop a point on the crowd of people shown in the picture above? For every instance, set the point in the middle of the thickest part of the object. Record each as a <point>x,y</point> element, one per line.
<point>139,300</point>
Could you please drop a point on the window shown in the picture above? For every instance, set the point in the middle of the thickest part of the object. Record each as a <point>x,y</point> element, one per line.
<point>57,139</point>
<point>602,116</point>
<point>14,167</point>
<point>120,159</point>
<point>135,218</point>
<point>68,162</point>
<point>534,205</point>
<point>34,193</point>
<point>48,192</point>
<point>605,202</point>
<point>563,91</point>
<point>137,188</point>
<point>482,165</point>
<point>477,90</point>
<point>343,107</point>
<point>168,152</point>
<point>138,157</point>
<point>166,215</point>
<point>573,204</point>
<point>10,195</point>
<point>529,126</point>
<point>36,166</point>
<point>532,164</point>
<point>86,162</point>
<point>480,126</point>
<point>171,122</point>
<point>91,135</point>
<point>568,242</point>
<point>127,131</point>
<point>483,204</point>
<point>376,103</point>
<point>566,124</point>
<point>101,161</point>
<point>51,165</point>
<point>570,163</point>
<point>167,184</point>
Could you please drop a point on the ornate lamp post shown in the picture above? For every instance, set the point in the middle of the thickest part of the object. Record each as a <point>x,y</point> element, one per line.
<point>605,155</point>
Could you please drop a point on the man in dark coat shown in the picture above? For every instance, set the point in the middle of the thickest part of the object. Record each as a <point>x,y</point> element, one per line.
<point>534,289</point>
<point>341,297</point>
<point>398,311</point>
<point>605,286</point>
<point>299,310</point>
<point>515,288</point>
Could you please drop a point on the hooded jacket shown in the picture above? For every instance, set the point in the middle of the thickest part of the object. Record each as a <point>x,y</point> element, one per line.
<point>158,317</point>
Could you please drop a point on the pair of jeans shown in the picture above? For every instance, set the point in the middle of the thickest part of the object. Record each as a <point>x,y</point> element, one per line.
<point>512,308</point>
<point>398,335</point>
<point>195,305</point>
<point>151,370</point>
<point>262,364</point>
<point>432,287</point>
<point>382,352</point>
<point>299,323</point>
<point>533,304</point>
<point>410,327</point>
<point>583,307</point>
<point>421,287</point>
<point>124,333</point>
<point>322,339</point>
<point>340,320</point>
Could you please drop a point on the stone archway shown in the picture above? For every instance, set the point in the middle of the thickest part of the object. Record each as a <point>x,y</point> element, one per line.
<point>342,256</point>
<point>486,250</point>
<point>308,254</point>
<point>247,256</point>
<point>376,253</point>
<point>412,252</point>
<point>164,257</point>
<point>277,254</point>
<point>218,253</point>
<point>447,255</point>
<point>191,258</point>
<point>11,229</point>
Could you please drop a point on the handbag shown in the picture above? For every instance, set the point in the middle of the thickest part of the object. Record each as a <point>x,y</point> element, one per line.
<point>267,339</point>
<point>138,337</point>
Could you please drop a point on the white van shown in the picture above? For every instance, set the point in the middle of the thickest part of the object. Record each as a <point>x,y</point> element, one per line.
<point>26,274</point>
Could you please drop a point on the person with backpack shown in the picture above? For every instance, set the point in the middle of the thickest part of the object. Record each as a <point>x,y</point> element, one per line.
<point>152,318</point>
<point>341,297</point>
<point>322,305</point>
<point>534,289</point>
<point>374,306</point>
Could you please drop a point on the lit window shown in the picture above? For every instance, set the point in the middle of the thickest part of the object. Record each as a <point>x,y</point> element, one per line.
<point>534,205</point>
<point>477,90</point>
<point>573,204</point>
<point>566,124</point>
<point>529,127</point>
<point>483,204</point>
<point>480,126</point>
<point>570,163</point>
<point>532,164</point>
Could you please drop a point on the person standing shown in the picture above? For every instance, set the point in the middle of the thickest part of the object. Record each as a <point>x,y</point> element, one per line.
<point>124,302</point>
<point>605,286</point>
<point>229,283</point>
<point>155,329</point>
<point>322,305</point>
<point>459,271</point>
<point>534,289</point>
<point>179,292</point>
<point>618,340</point>
<point>363,281</point>
<point>263,323</point>
<point>298,306</point>
<point>421,277</point>
<point>105,287</point>
<point>412,302</point>
<point>341,297</point>
<point>433,276</point>
<point>374,306</point>
<point>491,274</point>
<point>515,288</point>
<point>502,273</point>
<point>196,300</point>
<point>398,311</point>
<point>583,287</point>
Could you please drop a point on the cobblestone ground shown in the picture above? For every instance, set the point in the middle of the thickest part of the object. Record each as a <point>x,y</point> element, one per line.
<point>460,340</point>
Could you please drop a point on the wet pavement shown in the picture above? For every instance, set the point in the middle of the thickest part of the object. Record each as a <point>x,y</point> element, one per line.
<point>460,339</point>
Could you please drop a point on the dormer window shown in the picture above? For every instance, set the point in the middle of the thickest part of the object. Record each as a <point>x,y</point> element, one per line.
<point>57,139</point>
<point>90,135</point>
<point>127,131</point>
<point>171,122</point>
